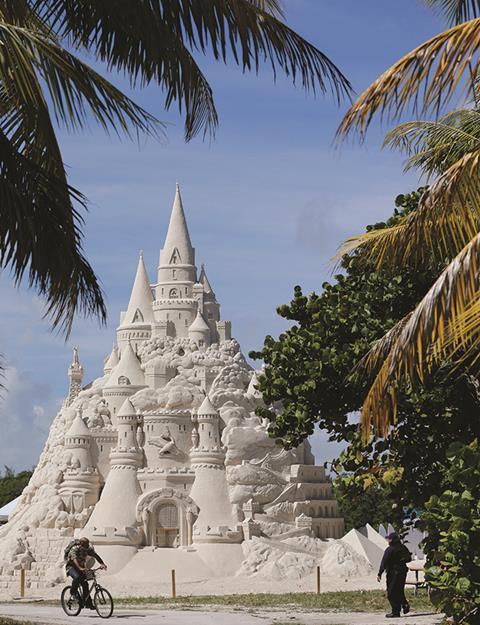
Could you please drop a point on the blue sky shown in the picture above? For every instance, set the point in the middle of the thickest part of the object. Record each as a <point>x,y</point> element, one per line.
<point>268,201</point>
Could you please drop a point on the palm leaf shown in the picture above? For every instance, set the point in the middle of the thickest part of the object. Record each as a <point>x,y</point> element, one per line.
<point>434,332</point>
<point>152,42</point>
<point>274,7</point>
<point>40,226</point>
<point>426,78</point>
<point>40,233</point>
<point>456,11</point>
<point>462,338</point>
<point>447,218</point>
<point>373,360</point>
<point>434,146</point>
<point>74,87</point>
<point>448,214</point>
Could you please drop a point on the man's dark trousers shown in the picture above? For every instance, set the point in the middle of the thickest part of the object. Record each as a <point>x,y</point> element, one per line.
<point>396,589</point>
<point>77,578</point>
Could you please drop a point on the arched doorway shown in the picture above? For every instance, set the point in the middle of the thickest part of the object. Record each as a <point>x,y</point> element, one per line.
<point>167,526</point>
<point>167,517</point>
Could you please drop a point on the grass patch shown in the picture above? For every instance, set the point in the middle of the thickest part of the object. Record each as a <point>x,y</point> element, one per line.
<point>345,601</point>
<point>11,621</point>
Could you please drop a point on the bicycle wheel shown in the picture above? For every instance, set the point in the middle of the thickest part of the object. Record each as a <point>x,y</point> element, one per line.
<point>103,602</point>
<point>71,606</point>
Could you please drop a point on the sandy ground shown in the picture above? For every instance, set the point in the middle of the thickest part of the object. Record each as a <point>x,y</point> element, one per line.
<point>54,615</point>
<point>240,585</point>
<point>213,586</point>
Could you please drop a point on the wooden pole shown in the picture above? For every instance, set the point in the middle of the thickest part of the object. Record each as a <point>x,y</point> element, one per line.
<point>318,580</point>
<point>174,588</point>
<point>22,583</point>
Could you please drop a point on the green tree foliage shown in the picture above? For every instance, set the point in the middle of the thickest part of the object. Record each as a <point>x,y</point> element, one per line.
<point>359,506</point>
<point>307,368</point>
<point>452,547</point>
<point>396,476</point>
<point>12,484</point>
<point>308,380</point>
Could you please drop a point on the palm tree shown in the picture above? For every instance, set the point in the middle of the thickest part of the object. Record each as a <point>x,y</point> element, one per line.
<point>445,324</point>
<point>43,82</point>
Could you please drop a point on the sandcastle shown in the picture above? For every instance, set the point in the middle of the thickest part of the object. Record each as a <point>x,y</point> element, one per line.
<point>162,459</point>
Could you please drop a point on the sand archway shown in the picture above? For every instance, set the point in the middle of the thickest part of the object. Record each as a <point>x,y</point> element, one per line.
<point>167,517</point>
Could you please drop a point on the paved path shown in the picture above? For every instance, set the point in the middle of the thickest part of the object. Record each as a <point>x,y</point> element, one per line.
<point>216,616</point>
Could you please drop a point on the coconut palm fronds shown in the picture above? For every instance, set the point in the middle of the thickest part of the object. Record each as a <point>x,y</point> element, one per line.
<point>434,332</point>
<point>154,41</point>
<point>456,11</point>
<point>426,78</point>
<point>447,218</point>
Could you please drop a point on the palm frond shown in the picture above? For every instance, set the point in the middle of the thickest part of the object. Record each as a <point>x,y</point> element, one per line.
<point>434,146</point>
<point>274,7</point>
<point>462,338</point>
<point>152,42</point>
<point>74,87</point>
<point>426,78</point>
<point>425,339</point>
<point>447,218</point>
<point>456,11</point>
<point>40,229</point>
<point>380,349</point>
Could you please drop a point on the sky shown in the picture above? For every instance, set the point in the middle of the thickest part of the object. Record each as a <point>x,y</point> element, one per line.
<point>268,201</point>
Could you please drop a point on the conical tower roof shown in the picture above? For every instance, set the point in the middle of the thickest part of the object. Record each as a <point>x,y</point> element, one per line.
<point>177,248</point>
<point>199,324</point>
<point>128,367</point>
<point>127,409</point>
<point>112,360</point>
<point>78,427</point>
<point>204,280</point>
<point>141,299</point>
<point>206,408</point>
<point>209,295</point>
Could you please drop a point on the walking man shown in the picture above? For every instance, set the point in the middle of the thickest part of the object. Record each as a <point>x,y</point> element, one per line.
<point>394,562</point>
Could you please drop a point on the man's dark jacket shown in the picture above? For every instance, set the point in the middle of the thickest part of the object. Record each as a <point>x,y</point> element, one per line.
<point>395,558</point>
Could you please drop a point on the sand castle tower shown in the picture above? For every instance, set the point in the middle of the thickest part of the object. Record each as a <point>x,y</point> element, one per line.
<point>175,307</point>
<point>80,485</point>
<point>111,361</point>
<point>136,323</point>
<point>210,307</point>
<point>75,376</point>
<point>215,522</point>
<point>113,521</point>
<point>200,331</point>
<point>126,378</point>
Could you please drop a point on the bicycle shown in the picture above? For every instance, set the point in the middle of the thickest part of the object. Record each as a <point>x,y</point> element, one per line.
<point>102,599</point>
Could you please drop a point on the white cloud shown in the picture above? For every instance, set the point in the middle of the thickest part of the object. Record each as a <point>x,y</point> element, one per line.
<point>27,408</point>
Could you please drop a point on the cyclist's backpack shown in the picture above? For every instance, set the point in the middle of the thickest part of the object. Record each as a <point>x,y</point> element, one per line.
<point>71,544</point>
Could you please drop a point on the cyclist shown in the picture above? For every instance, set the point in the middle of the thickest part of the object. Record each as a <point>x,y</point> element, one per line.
<point>76,569</point>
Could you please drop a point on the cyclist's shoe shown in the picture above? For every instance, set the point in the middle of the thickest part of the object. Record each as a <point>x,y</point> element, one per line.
<point>89,604</point>
<point>406,608</point>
